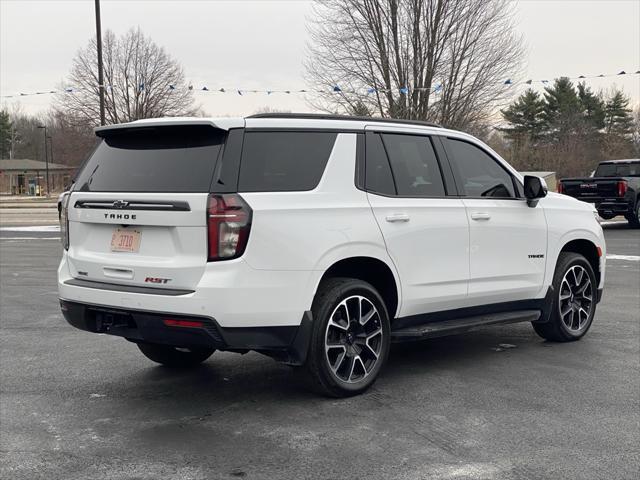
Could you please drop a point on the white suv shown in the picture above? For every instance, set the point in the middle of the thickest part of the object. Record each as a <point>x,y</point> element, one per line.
<point>318,241</point>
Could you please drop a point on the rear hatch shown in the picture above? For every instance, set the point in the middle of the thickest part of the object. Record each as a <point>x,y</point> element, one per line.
<point>138,210</point>
<point>591,188</point>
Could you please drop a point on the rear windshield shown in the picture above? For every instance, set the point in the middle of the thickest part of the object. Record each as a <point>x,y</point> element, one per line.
<point>159,159</point>
<point>618,170</point>
<point>284,161</point>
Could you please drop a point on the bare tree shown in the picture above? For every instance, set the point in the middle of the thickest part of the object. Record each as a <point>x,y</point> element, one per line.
<point>440,60</point>
<point>141,81</point>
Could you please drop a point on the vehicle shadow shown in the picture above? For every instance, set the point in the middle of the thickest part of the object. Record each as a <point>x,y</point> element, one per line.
<point>229,379</point>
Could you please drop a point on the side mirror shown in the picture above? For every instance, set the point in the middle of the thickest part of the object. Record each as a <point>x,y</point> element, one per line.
<point>535,188</point>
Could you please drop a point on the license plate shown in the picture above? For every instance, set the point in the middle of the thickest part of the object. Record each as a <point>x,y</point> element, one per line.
<point>124,240</point>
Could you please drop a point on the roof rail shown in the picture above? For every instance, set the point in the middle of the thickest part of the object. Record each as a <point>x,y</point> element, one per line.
<point>328,116</point>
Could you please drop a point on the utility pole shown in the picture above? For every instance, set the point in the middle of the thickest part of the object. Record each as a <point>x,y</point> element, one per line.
<point>100,76</point>
<point>46,157</point>
<point>50,138</point>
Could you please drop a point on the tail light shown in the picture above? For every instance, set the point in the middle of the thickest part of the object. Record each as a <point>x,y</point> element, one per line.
<point>560,188</point>
<point>622,188</point>
<point>64,221</point>
<point>228,224</point>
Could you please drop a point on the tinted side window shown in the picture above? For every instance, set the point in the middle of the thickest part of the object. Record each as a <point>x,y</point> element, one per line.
<point>415,166</point>
<point>284,161</point>
<point>480,174</point>
<point>378,172</point>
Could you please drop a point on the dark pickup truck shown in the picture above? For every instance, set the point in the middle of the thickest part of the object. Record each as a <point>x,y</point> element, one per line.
<point>614,189</point>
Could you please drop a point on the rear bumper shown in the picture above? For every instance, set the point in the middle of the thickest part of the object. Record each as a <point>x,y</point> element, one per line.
<point>232,292</point>
<point>288,344</point>
<point>610,206</point>
<point>614,207</point>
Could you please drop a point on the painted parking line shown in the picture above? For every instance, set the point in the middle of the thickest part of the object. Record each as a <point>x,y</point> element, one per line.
<point>616,222</point>
<point>628,258</point>
<point>14,239</point>
<point>42,228</point>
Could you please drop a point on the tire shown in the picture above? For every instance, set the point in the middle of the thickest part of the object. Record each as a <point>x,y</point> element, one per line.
<point>634,219</point>
<point>175,357</point>
<point>345,357</point>
<point>575,290</point>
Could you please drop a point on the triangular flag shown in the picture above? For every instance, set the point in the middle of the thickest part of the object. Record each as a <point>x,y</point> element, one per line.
<point>336,88</point>
<point>190,87</point>
<point>582,76</point>
<point>222,90</point>
<point>205,89</point>
<point>239,92</point>
<point>528,82</point>
<point>172,87</point>
<point>622,73</point>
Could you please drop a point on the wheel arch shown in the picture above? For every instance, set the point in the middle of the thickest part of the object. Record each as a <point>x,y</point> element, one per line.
<point>587,249</point>
<point>372,270</point>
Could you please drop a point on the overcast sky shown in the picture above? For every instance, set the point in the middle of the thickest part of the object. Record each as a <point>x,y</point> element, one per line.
<point>261,44</point>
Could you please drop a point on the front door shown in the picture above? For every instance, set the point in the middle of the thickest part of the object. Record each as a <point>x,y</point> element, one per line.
<point>508,239</point>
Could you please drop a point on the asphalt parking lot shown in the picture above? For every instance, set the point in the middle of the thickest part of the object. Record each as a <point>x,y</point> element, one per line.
<point>76,405</point>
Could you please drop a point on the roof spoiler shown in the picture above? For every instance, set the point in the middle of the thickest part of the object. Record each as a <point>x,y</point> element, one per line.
<point>219,123</point>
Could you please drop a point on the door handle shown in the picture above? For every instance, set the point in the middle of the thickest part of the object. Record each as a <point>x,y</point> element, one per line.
<point>397,217</point>
<point>480,216</point>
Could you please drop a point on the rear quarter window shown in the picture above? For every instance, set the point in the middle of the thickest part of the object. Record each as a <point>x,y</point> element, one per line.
<point>284,161</point>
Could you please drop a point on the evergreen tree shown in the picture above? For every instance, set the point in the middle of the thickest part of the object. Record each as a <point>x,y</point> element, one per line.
<point>5,134</point>
<point>562,110</point>
<point>617,115</point>
<point>592,108</point>
<point>524,117</point>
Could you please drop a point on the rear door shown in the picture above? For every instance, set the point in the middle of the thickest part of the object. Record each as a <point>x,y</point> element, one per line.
<point>425,228</point>
<point>508,239</point>
<point>137,215</point>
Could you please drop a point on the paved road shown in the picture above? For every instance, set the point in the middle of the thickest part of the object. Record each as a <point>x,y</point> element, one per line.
<point>80,406</point>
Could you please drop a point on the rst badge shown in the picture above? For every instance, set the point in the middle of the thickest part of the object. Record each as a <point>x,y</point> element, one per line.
<point>157,280</point>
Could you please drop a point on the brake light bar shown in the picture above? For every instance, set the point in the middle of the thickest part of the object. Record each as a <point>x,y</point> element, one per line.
<point>560,188</point>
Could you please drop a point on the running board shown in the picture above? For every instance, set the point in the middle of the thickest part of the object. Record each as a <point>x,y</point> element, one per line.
<point>462,325</point>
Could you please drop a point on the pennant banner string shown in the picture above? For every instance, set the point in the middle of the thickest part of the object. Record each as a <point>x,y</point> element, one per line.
<point>337,89</point>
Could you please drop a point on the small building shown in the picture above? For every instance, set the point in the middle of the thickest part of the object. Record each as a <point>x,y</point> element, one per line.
<point>29,177</point>
<point>549,177</point>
